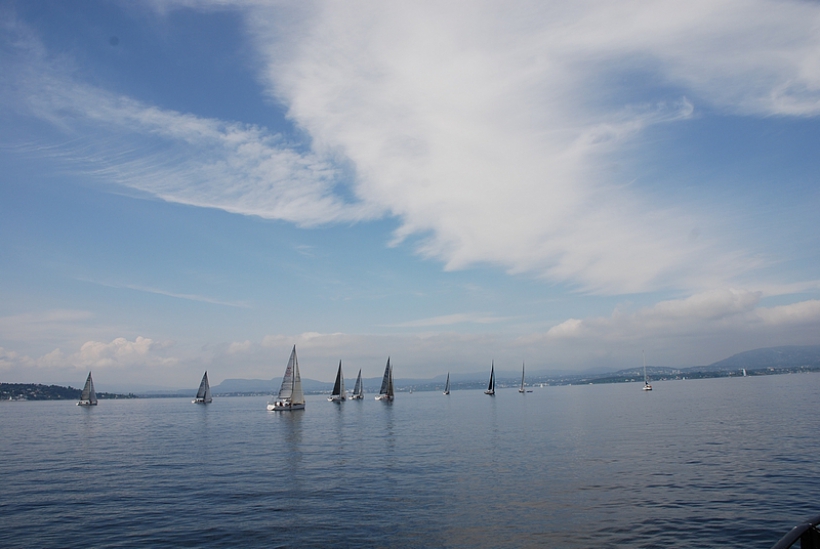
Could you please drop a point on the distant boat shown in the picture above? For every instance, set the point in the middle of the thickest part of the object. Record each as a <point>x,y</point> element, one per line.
<point>646,385</point>
<point>358,389</point>
<point>338,394</point>
<point>447,385</point>
<point>491,387</point>
<point>522,390</point>
<point>203,396</point>
<point>290,395</point>
<point>386,390</point>
<point>744,372</point>
<point>89,396</point>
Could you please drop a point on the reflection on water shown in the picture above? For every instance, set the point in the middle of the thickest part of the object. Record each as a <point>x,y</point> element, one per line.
<point>719,463</point>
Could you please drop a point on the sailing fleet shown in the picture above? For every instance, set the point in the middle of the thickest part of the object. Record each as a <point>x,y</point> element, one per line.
<point>291,396</point>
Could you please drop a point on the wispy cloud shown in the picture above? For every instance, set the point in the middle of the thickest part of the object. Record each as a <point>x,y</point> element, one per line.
<point>177,295</point>
<point>449,320</point>
<point>486,130</point>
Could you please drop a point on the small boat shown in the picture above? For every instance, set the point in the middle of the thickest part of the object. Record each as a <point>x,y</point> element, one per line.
<point>89,396</point>
<point>447,385</point>
<point>203,395</point>
<point>522,389</point>
<point>646,385</point>
<point>358,389</point>
<point>386,390</point>
<point>491,387</point>
<point>338,394</point>
<point>290,395</point>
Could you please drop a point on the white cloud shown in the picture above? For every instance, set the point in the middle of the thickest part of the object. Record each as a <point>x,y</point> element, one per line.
<point>721,321</point>
<point>486,128</point>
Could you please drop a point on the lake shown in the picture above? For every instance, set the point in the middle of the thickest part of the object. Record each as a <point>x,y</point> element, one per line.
<point>730,462</point>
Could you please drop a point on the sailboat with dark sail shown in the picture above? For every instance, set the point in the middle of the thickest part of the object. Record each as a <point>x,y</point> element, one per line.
<point>88,396</point>
<point>338,394</point>
<point>358,389</point>
<point>491,387</point>
<point>291,396</point>
<point>522,389</point>
<point>447,385</point>
<point>386,390</point>
<point>203,395</point>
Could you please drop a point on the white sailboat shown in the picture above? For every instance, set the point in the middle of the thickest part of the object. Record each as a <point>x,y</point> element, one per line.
<point>290,395</point>
<point>358,389</point>
<point>491,387</point>
<point>203,395</point>
<point>447,385</point>
<point>386,390</point>
<point>646,385</point>
<point>522,389</point>
<point>89,396</point>
<point>338,394</point>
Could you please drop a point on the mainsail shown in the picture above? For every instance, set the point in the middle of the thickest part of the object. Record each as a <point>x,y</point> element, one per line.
<point>89,396</point>
<point>358,390</point>
<point>291,389</point>
<point>338,393</point>
<point>521,390</point>
<point>491,387</point>
<point>386,390</point>
<point>203,395</point>
<point>447,385</point>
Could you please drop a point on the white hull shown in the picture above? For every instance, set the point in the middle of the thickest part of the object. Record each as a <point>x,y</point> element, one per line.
<point>357,397</point>
<point>285,407</point>
<point>491,393</point>
<point>388,398</point>
<point>86,403</point>
<point>336,398</point>
<point>201,401</point>
<point>647,387</point>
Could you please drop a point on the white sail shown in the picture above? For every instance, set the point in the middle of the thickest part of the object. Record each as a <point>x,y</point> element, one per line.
<point>491,387</point>
<point>386,390</point>
<point>447,385</point>
<point>358,389</point>
<point>290,395</point>
<point>203,395</point>
<point>89,396</point>
<point>521,390</point>
<point>338,393</point>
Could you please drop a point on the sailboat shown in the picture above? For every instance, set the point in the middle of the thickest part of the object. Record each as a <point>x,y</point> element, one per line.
<point>89,396</point>
<point>290,395</point>
<point>522,390</point>
<point>491,387</point>
<point>338,394</point>
<point>646,385</point>
<point>386,390</point>
<point>203,395</point>
<point>358,389</point>
<point>447,385</point>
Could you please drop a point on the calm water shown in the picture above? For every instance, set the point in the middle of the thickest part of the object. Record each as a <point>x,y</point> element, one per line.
<point>707,463</point>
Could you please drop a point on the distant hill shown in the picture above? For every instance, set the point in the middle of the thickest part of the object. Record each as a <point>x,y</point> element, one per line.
<point>790,356</point>
<point>36,391</point>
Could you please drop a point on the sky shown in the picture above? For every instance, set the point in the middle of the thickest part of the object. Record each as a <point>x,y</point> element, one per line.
<point>189,186</point>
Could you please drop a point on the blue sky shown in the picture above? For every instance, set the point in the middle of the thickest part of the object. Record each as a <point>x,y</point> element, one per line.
<point>201,185</point>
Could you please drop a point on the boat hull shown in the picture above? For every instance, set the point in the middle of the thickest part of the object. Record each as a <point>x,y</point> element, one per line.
<point>647,387</point>
<point>386,398</point>
<point>86,403</point>
<point>491,393</point>
<point>285,407</point>
<point>357,397</point>
<point>336,398</point>
<point>201,401</point>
